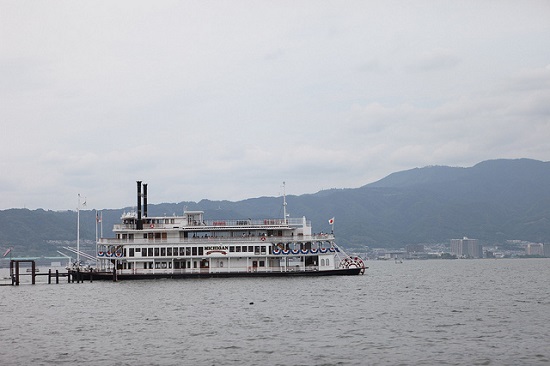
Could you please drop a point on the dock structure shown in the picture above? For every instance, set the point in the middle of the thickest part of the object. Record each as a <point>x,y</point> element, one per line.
<point>72,275</point>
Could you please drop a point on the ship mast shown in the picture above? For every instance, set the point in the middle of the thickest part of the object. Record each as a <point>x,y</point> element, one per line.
<point>284,202</point>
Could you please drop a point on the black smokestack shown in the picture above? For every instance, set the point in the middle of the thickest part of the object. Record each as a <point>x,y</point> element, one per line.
<point>139,224</point>
<point>145,200</point>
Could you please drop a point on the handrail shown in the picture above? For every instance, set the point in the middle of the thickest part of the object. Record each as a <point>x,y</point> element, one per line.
<point>216,270</point>
<point>214,224</point>
<point>217,240</point>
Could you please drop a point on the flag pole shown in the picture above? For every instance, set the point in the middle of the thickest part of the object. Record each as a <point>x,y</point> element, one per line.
<point>78,232</point>
<point>96,222</point>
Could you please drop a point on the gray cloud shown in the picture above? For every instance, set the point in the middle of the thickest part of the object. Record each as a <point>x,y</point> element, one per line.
<point>227,100</point>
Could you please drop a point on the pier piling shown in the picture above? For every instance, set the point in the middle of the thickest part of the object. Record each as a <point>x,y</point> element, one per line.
<point>71,274</point>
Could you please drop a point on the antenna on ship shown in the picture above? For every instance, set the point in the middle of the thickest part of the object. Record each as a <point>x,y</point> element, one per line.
<point>284,201</point>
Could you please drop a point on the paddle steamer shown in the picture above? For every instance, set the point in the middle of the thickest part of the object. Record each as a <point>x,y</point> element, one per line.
<point>190,246</point>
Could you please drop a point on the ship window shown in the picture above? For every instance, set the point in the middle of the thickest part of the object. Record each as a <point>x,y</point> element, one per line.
<point>175,251</point>
<point>238,248</point>
<point>163,252</point>
<point>144,265</point>
<point>194,264</point>
<point>262,248</point>
<point>322,262</point>
<point>194,251</point>
<point>201,250</point>
<point>176,265</point>
<point>250,248</point>
<point>150,251</point>
<point>157,265</point>
<point>150,265</point>
<point>231,249</point>
<point>164,235</point>
<point>257,249</point>
<point>138,250</point>
<point>144,236</point>
<point>129,265</point>
<point>328,262</point>
<point>188,251</point>
<point>144,252</point>
<point>156,252</point>
<point>182,250</point>
<point>169,252</point>
<point>157,235</point>
<point>131,236</point>
<point>262,263</point>
<point>131,252</point>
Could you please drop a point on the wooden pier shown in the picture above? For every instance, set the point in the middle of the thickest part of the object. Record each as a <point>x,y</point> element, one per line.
<point>71,275</point>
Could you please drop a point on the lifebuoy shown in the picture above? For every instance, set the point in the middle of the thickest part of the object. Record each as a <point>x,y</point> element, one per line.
<point>152,226</point>
<point>263,238</point>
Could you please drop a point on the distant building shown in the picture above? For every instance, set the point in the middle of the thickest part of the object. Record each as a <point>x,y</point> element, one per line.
<point>535,249</point>
<point>466,248</point>
<point>415,248</point>
<point>546,248</point>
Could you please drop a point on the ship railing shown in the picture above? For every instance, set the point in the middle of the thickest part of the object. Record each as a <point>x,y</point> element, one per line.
<point>257,222</point>
<point>217,240</point>
<point>159,224</point>
<point>243,270</point>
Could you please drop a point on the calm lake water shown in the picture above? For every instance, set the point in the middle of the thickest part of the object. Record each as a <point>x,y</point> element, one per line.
<point>446,312</point>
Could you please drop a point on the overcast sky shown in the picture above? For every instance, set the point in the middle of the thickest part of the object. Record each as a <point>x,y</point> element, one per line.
<point>225,100</point>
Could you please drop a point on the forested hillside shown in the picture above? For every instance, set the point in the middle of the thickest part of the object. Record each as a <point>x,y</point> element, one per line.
<point>492,201</point>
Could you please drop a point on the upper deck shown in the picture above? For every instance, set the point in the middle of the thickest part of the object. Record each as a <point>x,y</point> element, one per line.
<point>194,220</point>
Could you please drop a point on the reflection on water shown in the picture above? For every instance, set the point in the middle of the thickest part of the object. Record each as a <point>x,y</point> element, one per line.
<point>416,313</point>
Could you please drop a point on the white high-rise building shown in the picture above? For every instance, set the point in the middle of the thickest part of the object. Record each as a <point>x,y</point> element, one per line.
<point>466,248</point>
<point>535,249</point>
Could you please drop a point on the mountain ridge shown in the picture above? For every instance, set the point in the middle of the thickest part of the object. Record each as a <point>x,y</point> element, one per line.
<point>494,201</point>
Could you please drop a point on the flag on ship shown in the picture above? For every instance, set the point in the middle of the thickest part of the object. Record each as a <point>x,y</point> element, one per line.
<point>331,221</point>
<point>7,252</point>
